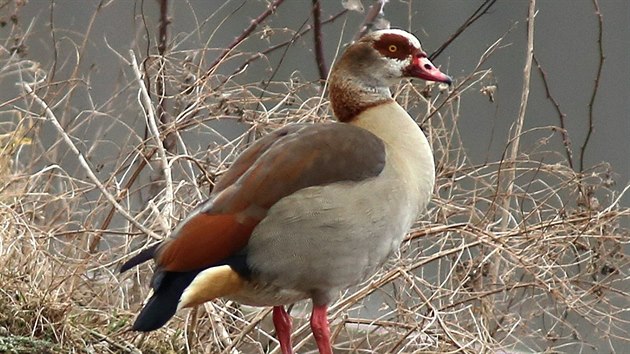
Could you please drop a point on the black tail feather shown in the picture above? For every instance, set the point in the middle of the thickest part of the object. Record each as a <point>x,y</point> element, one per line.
<point>140,258</point>
<point>168,288</point>
<point>163,303</point>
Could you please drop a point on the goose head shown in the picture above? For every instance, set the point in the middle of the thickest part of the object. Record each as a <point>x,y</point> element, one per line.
<point>363,74</point>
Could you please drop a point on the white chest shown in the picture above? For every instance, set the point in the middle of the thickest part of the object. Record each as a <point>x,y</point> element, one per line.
<point>409,155</point>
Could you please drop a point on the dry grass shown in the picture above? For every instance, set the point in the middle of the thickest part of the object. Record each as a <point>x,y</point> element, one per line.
<point>555,237</point>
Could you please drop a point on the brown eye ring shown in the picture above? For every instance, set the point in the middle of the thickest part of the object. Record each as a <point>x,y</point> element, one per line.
<point>392,48</point>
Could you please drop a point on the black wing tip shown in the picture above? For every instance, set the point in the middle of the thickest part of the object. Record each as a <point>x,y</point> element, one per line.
<point>157,311</point>
<point>140,258</point>
<point>163,303</point>
<point>126,266</point>
<point>148,324</point>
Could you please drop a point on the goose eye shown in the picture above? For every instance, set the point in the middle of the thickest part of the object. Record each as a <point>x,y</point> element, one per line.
<point>392,48</point>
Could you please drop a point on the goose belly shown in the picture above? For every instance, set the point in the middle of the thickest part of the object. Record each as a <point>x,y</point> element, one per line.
<point>323,239</point>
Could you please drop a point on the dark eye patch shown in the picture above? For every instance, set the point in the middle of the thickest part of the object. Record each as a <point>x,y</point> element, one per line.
<point>394,46</point>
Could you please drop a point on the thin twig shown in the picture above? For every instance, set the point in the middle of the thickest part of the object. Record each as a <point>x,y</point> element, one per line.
<point>566,140</point>
<point>147,105</point>
<point>277,67</point>
<point>110,215</point>
<point>80,58</point>
<point>465,84</point>
<point>600,65</point>
<point>262,54</point>
<point>248,31</point>
<point>53,37</point>
<point>86,166</point>
<point>247,329</point>
<point>481,10</point>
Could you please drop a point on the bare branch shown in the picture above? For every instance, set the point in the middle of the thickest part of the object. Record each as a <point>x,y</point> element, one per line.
<point>506,180</point>
<point>86,166</point>
<point>566,140</point>
<point>248,31</point>
<point>278,46</point>
<point>600,65</point>
<point>147,105</point>
<point>82,48</point>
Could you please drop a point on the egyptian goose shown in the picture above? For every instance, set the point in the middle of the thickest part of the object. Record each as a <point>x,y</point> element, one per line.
<point>309,209</point>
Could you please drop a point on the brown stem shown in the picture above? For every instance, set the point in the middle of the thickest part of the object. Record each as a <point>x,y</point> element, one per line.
<point>166,119</point>
<point>163,29</point>
<point>317,35</point>
<point>566,141</point>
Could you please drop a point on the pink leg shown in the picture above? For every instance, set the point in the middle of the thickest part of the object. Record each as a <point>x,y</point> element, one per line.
<point>282,323</point>
<point>321,331</point>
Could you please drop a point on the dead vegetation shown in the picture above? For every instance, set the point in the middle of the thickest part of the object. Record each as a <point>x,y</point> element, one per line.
<point>525,253</point>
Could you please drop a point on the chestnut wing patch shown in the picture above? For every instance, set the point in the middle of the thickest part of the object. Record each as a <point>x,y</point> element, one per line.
<point>203,240</point>
<point>274,167</point>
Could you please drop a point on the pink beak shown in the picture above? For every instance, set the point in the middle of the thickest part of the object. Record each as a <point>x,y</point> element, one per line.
<point>421,67</point>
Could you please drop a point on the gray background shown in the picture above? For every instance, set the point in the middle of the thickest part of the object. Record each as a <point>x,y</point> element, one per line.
<point>565,44</point>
